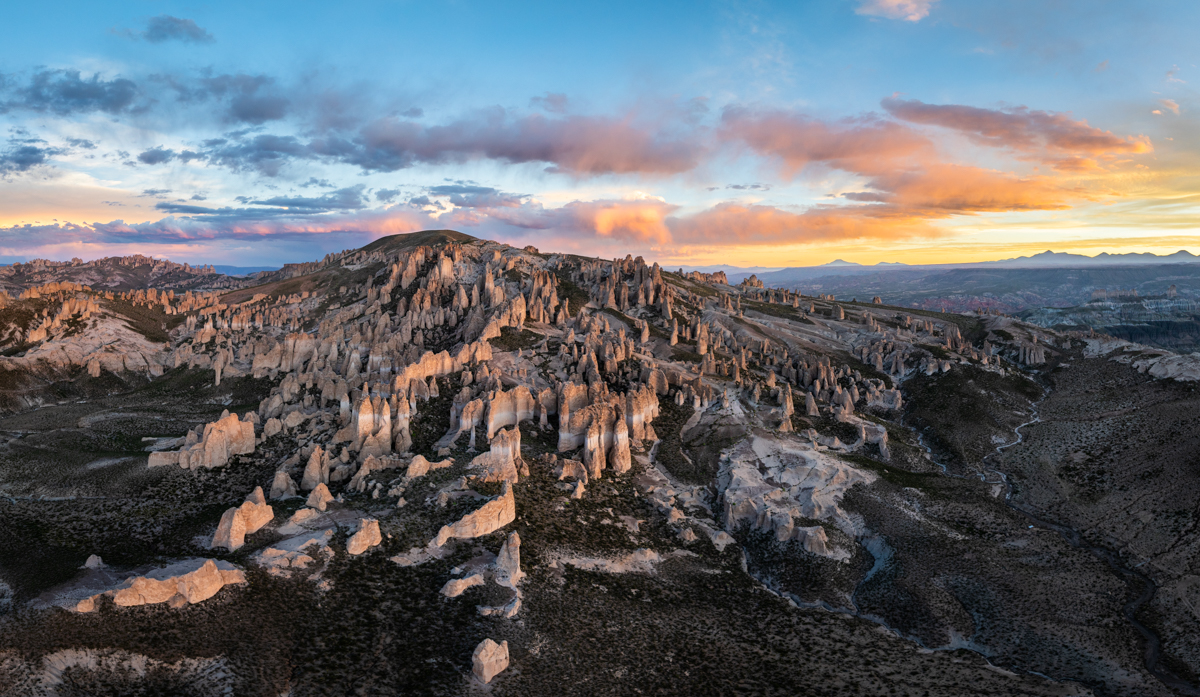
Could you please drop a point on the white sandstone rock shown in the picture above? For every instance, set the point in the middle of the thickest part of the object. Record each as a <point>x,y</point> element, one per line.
<point>492,516</point>
<point>367,536</point>
<point>319,498</point>
<point>489,660</point>
<point>457,586</point>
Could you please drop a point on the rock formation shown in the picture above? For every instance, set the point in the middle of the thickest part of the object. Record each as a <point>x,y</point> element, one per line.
<point>489,660</point>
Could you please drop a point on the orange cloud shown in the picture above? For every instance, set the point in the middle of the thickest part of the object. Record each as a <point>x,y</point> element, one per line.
<point>864,146</point>
<point>732,224</point>
<point>960,189</point>
<point>1051,137</point>
<point>901,166</point>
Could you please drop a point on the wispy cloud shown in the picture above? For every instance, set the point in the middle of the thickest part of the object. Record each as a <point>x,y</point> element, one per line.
<point>907,10</point>
<point>1051,137</point>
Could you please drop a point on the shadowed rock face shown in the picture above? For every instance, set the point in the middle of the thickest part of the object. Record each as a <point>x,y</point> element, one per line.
<point>598,470</point>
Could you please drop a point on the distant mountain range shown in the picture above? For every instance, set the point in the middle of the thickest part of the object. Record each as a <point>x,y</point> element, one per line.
<point>1047,259</point>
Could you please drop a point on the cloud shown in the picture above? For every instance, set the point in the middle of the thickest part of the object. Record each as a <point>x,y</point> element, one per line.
<point>866,145</point>
<point>735,224</point>
<point>313,181</point>
<point>82,143</point>
<point>474,196</point>
<point>1172,73</point>
<point>907,10</point>
<point>184,208</point>
<point>167,28</point>
<point>252,98</point>
<point>265,154</point>
<point>748,187</point>
<point>155,192</point>
<point>65,92</point>
<point>907,178</point>
<point>1170,105</point>
<point>24,157</point>
<point>350,198</point>
<point>552,102</point>
<point>625,220</point>
<point>1100,67</point>
<point>579,145</point>
<point>387,195</point>
<point>156,156</point>
<point>1048,136</point>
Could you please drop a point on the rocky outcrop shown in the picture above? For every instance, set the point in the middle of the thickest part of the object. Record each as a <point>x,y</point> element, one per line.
<point>492,516</point>
<point>489,660</point>
<point>769,482</point>
<point>283,486</point>
<point>499,464</point>
<point>457,586</point>
<point>508,562</point>
<point>243,520</point>
<point>419,466</point>
<point>179,584</point>
<point>509,408</point>
<point>320,497</point>
<point>219,441</point>
<point>368,536</point>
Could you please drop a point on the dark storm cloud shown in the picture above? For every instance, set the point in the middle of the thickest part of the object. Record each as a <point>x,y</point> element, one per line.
<point>156,156</point>
<point>167,28</point>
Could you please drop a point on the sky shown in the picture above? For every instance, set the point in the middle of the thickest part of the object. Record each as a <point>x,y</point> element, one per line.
<point>692,133</point>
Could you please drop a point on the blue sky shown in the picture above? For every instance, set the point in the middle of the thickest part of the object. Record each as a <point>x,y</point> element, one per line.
<point>692,133</point>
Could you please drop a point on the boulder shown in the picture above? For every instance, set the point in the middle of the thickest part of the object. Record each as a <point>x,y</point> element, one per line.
<point>231,531</point>
<point>319,498</point>
<point>508,562</point>
<point>367,536</point>
<point>489,660</point>
<point>243,520</point>
<point>283,486</point>
<point>255,511</point>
